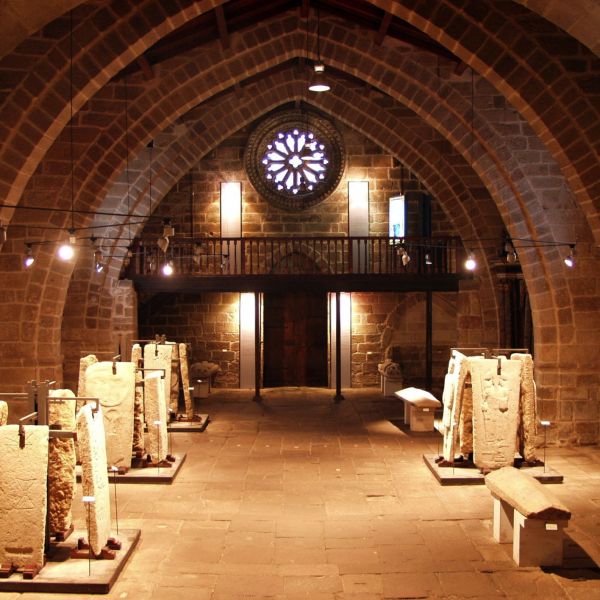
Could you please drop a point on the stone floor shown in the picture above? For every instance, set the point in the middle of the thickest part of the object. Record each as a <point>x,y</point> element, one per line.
<point>299,498</point>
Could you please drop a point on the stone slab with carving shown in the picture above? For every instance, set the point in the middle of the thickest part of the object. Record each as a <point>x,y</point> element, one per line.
<point>61,463</point>
<point>528,408</point>
<point>23,495</point>
<point>185,381</point>
<point>156,416</point>
<point>84,363</point>
<point>114,385</point>
<point>496,384</point>
<point>94,475</point>
<point>159,356</point>
<point>459,375</point>
<point>175,372</point>
<point>3,413</point>
<point>138,403</point>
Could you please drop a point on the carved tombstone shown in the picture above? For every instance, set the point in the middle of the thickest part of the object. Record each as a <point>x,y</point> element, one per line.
<point>496,385</point>
<point>156,416</point>
<point>114,385</point>
<point>61,463</point>
<point>527,408</point>
<point>94,475</point>
<point>138,403</point>
<point>23,495</point>
<point>174,391</point>
<point>3,413</point>
<point>84,363</point>
<point>185,381</point>
<point>159,356</point>
<point>459,374</point>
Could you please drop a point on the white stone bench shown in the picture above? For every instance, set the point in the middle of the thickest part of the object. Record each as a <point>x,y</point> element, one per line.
<point>529,515</point>
<point>419,408</point>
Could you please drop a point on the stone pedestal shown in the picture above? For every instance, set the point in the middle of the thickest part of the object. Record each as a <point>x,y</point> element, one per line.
<point>537,543</point>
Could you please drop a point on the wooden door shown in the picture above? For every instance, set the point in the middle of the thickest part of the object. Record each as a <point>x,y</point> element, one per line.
<point>295,339</point>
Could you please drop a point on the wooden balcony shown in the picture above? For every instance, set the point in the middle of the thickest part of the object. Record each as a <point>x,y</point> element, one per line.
<point>332,264</point>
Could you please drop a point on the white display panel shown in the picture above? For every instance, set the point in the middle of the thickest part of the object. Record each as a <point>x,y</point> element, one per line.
<point>231,223</point>
<point>397,225</point>
<point>346,337</point>
<point>358,223</point>
<point>247,340</point>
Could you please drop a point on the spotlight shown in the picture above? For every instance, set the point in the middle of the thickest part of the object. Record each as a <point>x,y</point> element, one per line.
<point>66,251</point>
<point>428,260</point>
<point>29,258</point>
<point>99,260</point>
<point>405,257</point>
<point>167,269</point>
<point>570,260</point>
<point>470,263</point>
<point>127,257</point>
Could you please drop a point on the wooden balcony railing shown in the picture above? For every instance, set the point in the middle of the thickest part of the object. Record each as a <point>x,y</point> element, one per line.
<point>273,256</point>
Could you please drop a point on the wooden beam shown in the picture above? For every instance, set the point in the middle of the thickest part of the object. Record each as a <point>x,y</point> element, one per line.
<point>145,66</point>
<point>222,26</point>
<point>383,28</point>
<point>304,9</point>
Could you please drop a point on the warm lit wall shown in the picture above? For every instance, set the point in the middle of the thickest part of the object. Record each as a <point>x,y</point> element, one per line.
<point>209,322</point>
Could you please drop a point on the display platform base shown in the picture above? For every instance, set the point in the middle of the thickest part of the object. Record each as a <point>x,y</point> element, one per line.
<point>471,476</point>
<point>165,475</point>
<point>65,575</point>
<point>196,426</point>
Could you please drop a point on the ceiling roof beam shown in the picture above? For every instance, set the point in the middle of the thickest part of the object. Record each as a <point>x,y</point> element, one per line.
<point>145,66</point>
<point>222,26</point>
<point>383,28</point>
<point>304,9</point>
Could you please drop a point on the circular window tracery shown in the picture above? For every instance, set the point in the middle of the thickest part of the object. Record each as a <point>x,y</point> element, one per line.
<point>295,159</point>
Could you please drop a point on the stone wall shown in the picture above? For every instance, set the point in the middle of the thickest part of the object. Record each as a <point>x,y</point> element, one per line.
<point>209,322</point>
<point>386,325</point>
<point>193,204</point>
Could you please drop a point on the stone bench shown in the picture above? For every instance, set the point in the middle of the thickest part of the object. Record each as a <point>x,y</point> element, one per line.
<point>419,408</point>
<point>529,515</point>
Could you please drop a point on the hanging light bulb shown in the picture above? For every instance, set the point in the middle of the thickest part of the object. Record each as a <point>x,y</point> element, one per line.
<point>67,251</point>
<point>29,258</point>
<point>167,269</point>
<point>318,83</point>
<point>570,260</point>
<point>428,260</point>
<point>470,263</point>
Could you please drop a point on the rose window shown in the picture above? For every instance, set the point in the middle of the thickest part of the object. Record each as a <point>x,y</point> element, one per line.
<point>295,159</point>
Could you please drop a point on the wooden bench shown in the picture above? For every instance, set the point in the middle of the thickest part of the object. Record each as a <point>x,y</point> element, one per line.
<point>419,408</point>
<point>529,515</point>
